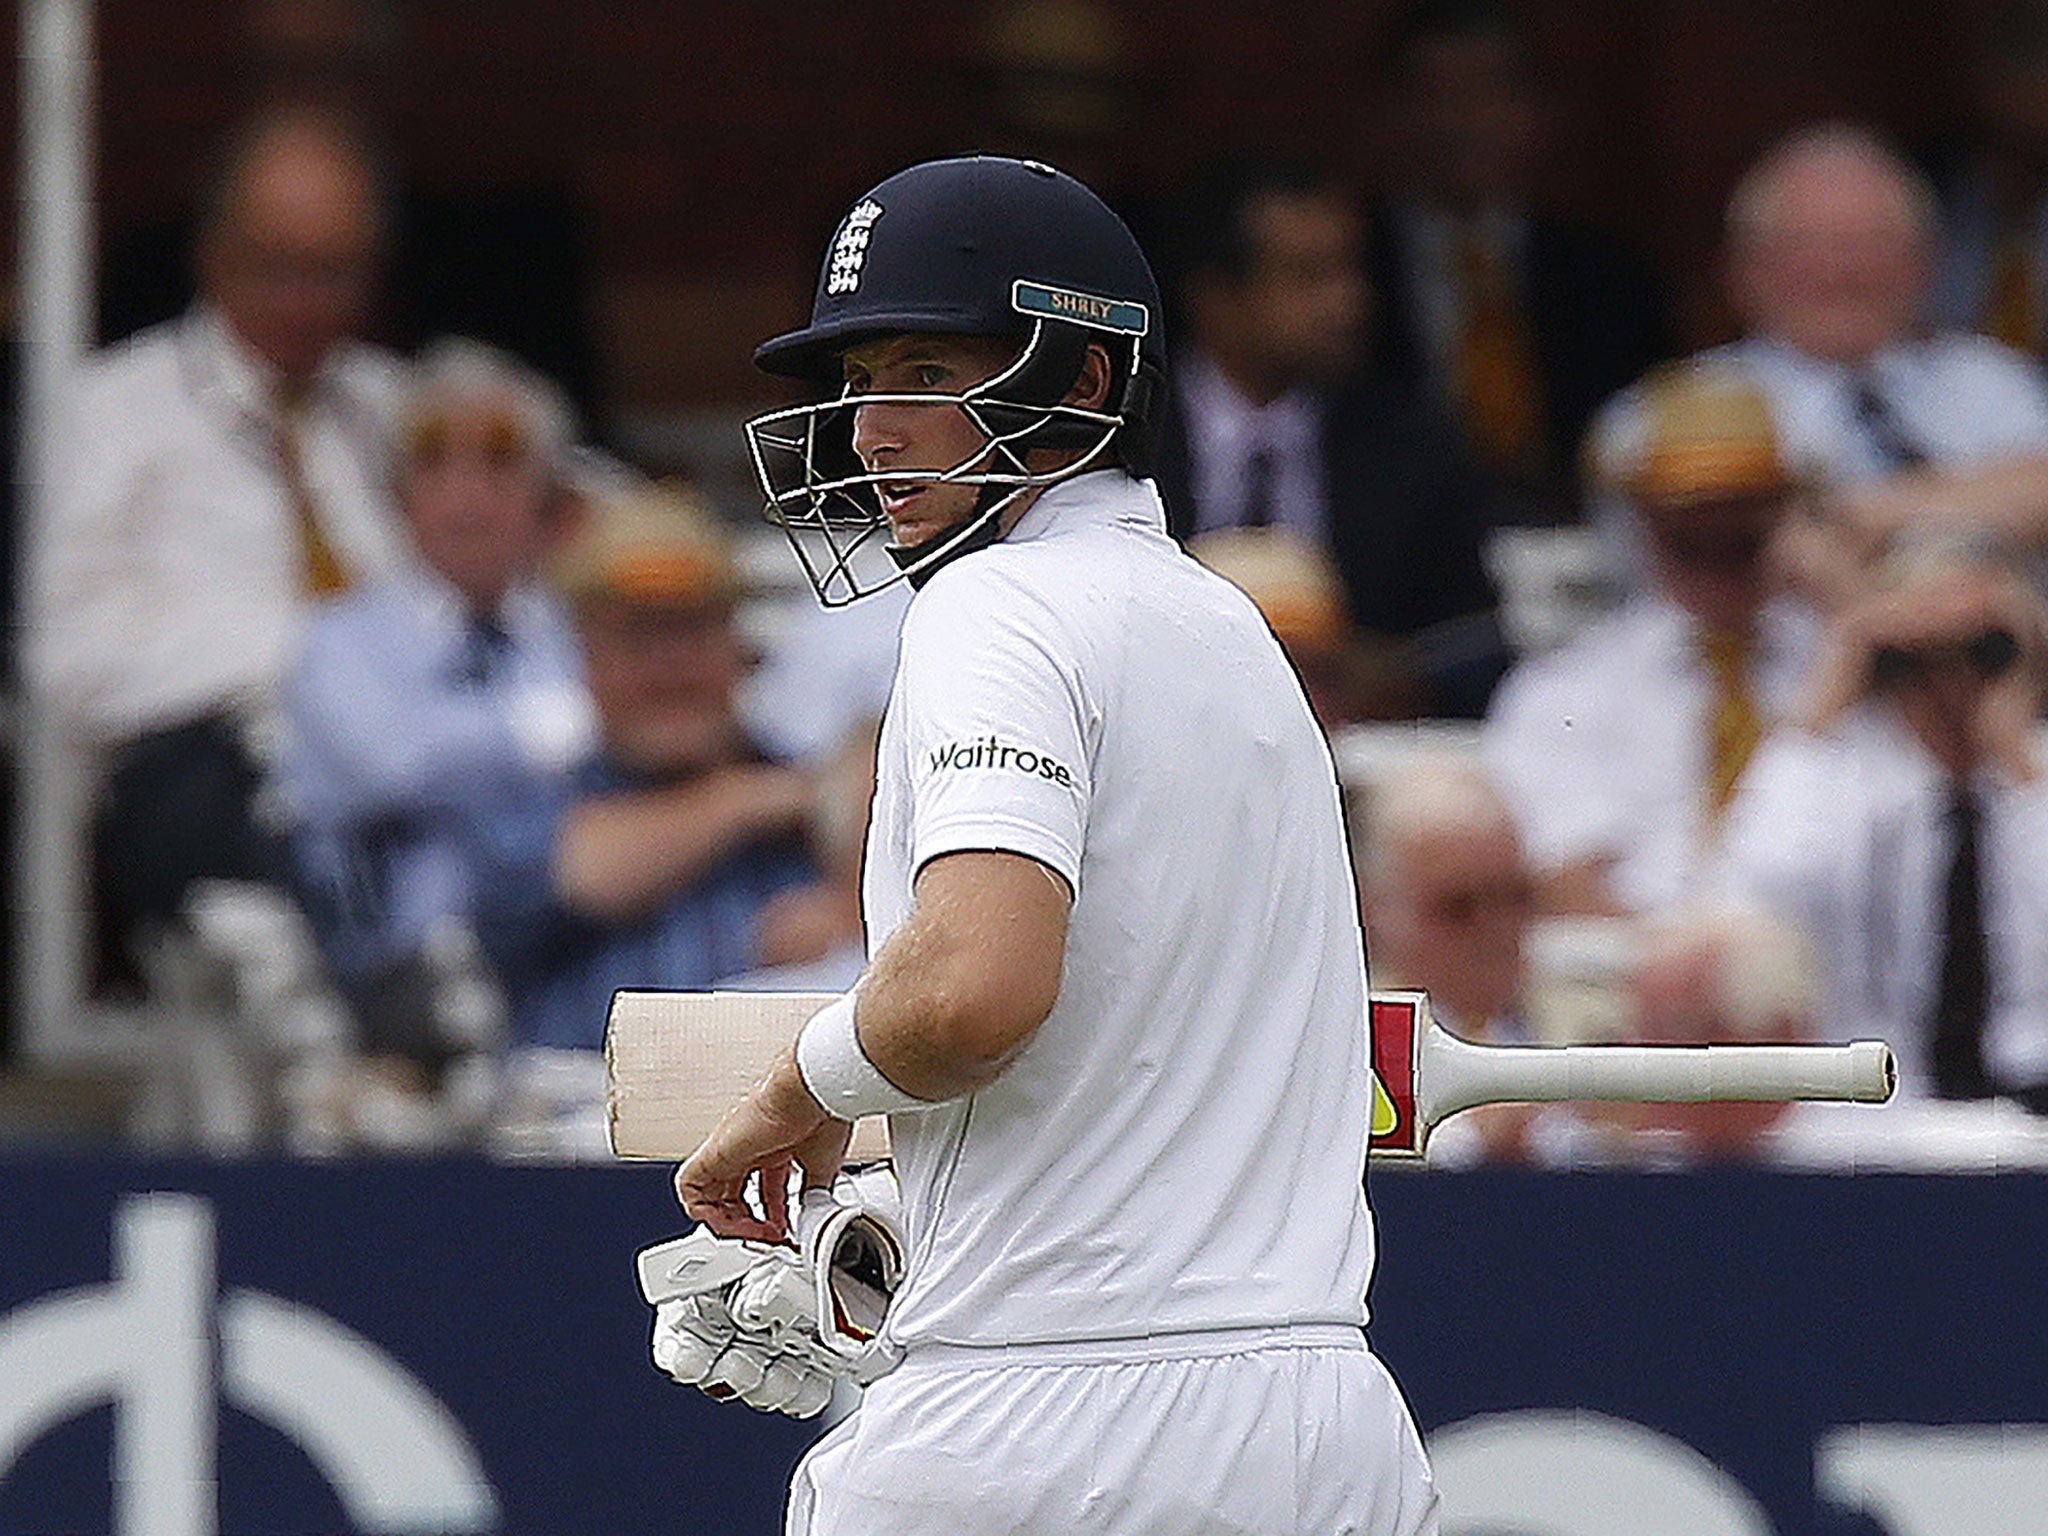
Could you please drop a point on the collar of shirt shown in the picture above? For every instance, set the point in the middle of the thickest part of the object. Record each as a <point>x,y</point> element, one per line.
<point>1227,424</point>
<point>445,616</point>
<point>221,367</point>
<point>1814,399</point>
<point>1895,365</point>
<point>1787,633</point>
<point>225,370</point>
<point>1099,498</point>
<point>1225,429</point>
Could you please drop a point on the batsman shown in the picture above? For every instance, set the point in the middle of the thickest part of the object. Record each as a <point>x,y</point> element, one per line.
<point>1114,1007</point>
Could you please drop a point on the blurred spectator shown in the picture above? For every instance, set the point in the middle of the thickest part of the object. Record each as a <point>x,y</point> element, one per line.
<point>1447,893</point>
<point>655,869</point>
<point>1991,267</point>
<point>1620,749</point>
<point>1712,975</point>
<point>1296,589</point>
<point>822,922</point>
<point>439,698</point>
<point>826,672</point>
<point>227,471</point>
<point>1447,897</point>
<point>1271,424</point>
<point>1829,250</point>
<point>1058,81</point>
<point>1517,320</point>
<point>1901,820</point>
<point>507,263</point>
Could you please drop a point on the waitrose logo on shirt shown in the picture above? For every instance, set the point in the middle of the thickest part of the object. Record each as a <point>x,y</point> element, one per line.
<point>993,752</point>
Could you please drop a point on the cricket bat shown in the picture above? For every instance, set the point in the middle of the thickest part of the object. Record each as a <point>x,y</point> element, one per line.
<point>676,1061</point>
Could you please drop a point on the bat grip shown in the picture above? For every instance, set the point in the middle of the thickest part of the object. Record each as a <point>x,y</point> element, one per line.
<point>1456,1074</point>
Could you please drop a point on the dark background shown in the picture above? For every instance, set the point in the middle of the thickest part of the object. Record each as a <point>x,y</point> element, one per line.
<point>710,146</point>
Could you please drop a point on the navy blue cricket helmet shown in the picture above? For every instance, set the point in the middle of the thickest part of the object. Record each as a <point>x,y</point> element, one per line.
<point>978,246</point>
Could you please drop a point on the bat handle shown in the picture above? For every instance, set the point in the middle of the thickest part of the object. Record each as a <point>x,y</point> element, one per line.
<point>1455,1074</point>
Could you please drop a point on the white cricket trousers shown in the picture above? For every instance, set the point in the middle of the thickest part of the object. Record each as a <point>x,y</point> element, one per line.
<point>1258,1432</point>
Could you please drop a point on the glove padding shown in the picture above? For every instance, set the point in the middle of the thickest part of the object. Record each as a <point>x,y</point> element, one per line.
<point>697,1343</point>
<point>775,1326</point>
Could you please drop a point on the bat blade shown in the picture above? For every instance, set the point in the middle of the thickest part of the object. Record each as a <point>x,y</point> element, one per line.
<point>675,1062</point>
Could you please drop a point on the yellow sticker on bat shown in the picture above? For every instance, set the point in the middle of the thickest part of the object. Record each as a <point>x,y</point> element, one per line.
<point>1385,1117</point>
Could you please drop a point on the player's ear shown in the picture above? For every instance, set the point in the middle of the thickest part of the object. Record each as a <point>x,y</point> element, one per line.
<point>1091,389</point>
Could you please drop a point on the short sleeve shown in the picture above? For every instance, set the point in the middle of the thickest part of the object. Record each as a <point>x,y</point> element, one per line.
<point>996,725</point>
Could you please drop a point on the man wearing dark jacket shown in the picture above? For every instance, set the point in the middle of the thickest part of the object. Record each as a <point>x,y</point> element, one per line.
<point>1273,423</point>
<point>1517,320</point>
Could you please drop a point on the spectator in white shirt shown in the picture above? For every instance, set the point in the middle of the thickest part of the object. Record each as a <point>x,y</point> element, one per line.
<point>224,473</point>
<point>1902,819</point>
<point>1619,750</point>
<point>1829,255</point>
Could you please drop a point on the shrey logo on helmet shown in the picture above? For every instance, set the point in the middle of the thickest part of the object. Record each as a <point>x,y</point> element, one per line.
<point>1058,304</point>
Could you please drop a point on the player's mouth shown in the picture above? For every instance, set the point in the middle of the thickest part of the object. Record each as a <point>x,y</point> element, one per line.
<point>900,497</point>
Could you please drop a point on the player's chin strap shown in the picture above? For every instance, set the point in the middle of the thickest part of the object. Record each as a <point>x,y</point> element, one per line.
<point>920,562</point>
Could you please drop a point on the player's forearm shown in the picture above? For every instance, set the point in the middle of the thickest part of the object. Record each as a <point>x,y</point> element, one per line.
<point>619,857</point>
<point>929,1038</point>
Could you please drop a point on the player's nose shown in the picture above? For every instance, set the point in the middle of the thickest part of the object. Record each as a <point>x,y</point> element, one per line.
<point>877,432</point>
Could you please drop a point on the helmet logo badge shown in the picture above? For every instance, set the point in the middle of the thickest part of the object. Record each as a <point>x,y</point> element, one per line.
<point>1029,298</point>
<point>850,249</point>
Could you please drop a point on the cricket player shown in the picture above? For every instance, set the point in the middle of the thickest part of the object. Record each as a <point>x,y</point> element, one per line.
<point>1116,1003</point>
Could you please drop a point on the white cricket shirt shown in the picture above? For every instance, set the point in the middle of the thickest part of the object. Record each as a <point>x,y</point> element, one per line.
<point>1181,1145</point>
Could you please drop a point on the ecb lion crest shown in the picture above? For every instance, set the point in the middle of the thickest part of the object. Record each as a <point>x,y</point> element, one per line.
<point>850,248</point>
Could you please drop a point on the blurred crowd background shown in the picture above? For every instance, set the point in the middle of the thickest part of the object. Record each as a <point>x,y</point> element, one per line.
<point>1631,416</point>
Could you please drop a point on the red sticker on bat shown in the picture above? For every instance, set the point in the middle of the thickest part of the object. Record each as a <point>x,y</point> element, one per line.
<point>1395,1021</point>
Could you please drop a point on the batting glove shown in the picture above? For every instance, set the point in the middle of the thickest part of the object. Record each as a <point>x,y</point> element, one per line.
<point>848,1263</point>
<point>698,1342</point>
<point>776,1326</point>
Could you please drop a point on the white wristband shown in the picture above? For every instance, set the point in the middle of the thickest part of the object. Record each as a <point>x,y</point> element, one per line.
<point>838,1072</point>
